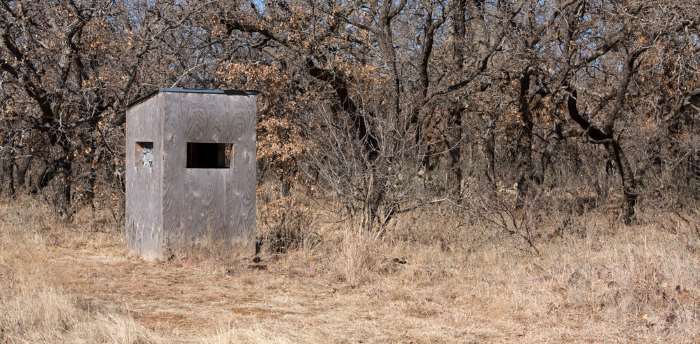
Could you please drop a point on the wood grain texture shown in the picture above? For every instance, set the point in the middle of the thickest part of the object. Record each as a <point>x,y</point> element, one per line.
<point>195,207</point>
<point>144,225</point>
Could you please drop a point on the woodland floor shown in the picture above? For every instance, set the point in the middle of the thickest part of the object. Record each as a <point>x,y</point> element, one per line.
<point>614,290</point>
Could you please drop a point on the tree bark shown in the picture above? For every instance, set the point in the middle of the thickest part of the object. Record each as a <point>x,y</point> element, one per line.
<point>524,148</point>
<point>614,149</point>
<point>454,123</point>
<point>490,152</point>
<point>629,184</point>
<point>7,186</point>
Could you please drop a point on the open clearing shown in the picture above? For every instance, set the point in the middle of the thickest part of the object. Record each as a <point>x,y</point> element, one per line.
<point>72,284</point>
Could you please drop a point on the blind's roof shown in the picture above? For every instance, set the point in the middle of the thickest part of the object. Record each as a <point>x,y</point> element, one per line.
<point>193,90</point>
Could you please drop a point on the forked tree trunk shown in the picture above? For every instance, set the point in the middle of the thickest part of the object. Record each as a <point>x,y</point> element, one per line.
<point>599,136</point>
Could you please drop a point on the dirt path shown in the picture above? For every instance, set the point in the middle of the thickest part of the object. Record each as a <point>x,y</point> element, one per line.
<point>187,302</point>
<point>289,302</point>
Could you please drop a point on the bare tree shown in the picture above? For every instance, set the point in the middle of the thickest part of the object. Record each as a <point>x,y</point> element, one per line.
<point>382,106</point>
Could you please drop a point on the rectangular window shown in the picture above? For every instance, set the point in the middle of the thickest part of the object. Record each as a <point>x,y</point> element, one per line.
<point>209,155</point>
<point>144,154</point>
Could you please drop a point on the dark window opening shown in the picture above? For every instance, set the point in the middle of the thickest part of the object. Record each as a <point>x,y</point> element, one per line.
<point>144,154</point>
<point>209,155</point>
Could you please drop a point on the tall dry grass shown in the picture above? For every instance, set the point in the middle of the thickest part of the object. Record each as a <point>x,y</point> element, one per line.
<point>591,278</point>
<point>34,311</point>
<point>434,277</point>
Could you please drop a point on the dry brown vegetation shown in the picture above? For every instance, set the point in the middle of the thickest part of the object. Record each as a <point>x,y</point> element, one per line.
<point>428,171</point>
<point>596,281</point>
<point>382,106</point>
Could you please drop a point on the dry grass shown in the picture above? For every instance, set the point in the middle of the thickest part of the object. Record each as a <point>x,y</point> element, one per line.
<point>428,281</point>
<point>35,311</point>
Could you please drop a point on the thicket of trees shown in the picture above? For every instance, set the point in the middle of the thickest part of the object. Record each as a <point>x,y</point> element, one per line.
<point>381,105</point>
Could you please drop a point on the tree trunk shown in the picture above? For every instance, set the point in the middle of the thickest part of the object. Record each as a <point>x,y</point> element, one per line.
<point>454,149</point>
<point>7,186</point>
<point>599,136</point>
<point>629,183</point>
<point>20,173</point>
<point>490,152</point>
<point>64,197</point>
<point>454,122</point>
<point>524,148</point>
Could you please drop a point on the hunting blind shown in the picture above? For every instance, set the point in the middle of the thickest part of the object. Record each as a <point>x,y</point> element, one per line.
<point>190,171</point>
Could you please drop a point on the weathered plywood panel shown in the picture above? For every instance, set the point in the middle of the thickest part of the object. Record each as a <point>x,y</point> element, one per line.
<point>242,186</point>
<point>201,205</point>
<point>144,226</point>
<point>205,218</point>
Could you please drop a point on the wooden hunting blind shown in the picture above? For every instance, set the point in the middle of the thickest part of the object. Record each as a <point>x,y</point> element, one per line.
<point>190,171</point>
